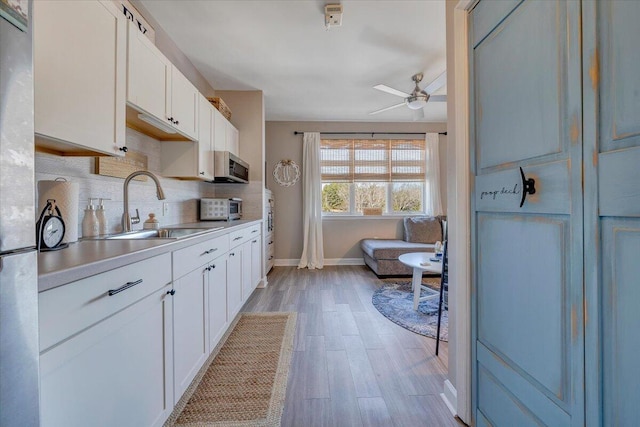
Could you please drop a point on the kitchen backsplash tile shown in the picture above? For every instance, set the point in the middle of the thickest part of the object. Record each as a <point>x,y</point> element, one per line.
<point>182,196</point>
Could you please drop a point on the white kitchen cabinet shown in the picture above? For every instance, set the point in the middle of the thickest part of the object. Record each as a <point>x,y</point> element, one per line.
<point>148,75</point>
<point>245,255</point>
<point>106,348</point>
<point>256,261</point>
<point>234,282</point>
<point>79,87</point>
<point>219,131</point>
<point>217,283</point>
<point>158,90</point>
<point>192,160</point>
<point>241,243</point>
<point>205,139</point>
<point>182,107</point>
<point>225,136</point>
<point>190,327</point>
<point>233,139</point>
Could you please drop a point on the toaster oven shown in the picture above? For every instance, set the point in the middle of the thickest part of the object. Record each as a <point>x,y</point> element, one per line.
<point>220,209</point>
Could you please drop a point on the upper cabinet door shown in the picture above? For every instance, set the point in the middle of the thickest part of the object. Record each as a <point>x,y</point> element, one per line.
<point>233,137</point>
<point>205,138</point>
<point>184,104</point>
<point>219,131</point>
<point>148,75</point>
<point>80,87</point>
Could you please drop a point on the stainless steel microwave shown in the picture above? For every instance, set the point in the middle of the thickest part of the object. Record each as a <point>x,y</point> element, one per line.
<point>220,209</point>
<point>230,168</point>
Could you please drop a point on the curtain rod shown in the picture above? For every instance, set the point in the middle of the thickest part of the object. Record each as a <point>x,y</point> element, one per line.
<point>372,133</point>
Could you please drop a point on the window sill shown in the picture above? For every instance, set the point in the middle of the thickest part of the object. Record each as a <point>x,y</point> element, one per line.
<point>348,217</point>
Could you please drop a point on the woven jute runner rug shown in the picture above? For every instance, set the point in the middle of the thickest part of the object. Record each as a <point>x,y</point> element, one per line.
<point>244,381</point>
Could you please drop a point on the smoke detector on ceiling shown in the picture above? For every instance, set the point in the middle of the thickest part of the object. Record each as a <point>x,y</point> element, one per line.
<point>332,15</point>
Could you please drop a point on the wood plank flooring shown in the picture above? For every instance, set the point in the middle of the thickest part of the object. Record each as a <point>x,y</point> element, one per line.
<point>352,366</point>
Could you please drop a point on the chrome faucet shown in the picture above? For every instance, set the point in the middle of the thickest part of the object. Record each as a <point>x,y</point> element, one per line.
<point>127,220</point>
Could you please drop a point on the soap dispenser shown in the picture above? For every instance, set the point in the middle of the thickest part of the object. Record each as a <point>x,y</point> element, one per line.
<point>151,223</point>
<point>103,223</point>
<point>90,227</point>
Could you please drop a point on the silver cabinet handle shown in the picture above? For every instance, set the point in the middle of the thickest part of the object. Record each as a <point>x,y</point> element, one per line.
<point>254,231</point>
<point>237,238</point>
<point>209,251</point>
<point>124,287</point>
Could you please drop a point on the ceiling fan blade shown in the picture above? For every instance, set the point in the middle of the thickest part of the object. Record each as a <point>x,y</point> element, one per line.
<point>438,98</point>
<point>418,114</point>
<point>391,90</point>
<point>387,109</point>
<point>439,81</point>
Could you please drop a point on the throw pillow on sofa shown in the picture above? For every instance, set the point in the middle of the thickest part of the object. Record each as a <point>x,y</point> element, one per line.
<point>424,229</point>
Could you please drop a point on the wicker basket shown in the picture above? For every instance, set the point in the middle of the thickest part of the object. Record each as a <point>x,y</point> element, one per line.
<point>221,106</point>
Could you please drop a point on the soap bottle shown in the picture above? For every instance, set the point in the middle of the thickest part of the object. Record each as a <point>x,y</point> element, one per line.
<point>151,223</point>
<point>103,223</point>
<point>90,226</point>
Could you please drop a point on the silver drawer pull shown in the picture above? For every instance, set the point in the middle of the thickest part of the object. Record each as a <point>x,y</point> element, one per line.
<point>237,238</point>
<point>271,242</point>
<point>255,241</point>
<point>209,251</point>
<point>124,287</point>
<point>254,231</point>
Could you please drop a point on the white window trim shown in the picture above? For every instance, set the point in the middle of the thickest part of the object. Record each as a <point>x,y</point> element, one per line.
<point>387,213</point>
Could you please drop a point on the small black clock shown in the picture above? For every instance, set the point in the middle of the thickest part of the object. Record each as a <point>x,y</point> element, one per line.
<point>50,228</point>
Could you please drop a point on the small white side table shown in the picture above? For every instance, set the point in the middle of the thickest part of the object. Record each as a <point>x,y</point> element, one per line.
<point>420,263</point>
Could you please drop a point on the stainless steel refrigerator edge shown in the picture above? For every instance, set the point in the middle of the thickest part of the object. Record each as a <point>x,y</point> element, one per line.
<point>19,347</point>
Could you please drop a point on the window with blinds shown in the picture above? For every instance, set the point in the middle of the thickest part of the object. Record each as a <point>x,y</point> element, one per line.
<point>381,160</point>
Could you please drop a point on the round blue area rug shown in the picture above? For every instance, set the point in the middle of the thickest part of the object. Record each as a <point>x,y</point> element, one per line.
<point>395,302</point>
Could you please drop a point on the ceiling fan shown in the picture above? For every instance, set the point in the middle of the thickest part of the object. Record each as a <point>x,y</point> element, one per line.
<point>417,99</point>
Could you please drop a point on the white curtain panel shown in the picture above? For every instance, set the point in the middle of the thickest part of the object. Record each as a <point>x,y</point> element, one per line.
<point>432,154</point>
<point>312,251</point>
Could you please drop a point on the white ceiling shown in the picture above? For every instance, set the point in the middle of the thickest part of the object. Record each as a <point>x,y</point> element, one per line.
<point>306,72</point>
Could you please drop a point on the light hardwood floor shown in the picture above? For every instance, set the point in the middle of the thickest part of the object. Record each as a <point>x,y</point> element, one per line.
<point>351,365</point>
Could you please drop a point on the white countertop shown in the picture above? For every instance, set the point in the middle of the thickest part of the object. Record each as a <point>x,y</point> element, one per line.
<point>89,257</point>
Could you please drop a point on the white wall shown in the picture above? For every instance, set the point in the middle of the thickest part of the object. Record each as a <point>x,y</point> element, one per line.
<point>341,236</point>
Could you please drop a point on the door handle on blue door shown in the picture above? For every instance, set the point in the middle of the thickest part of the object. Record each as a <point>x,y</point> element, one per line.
<point>528,187</point>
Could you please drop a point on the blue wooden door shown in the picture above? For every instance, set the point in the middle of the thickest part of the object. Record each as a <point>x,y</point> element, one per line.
<point>528,294</point>
<point>611,82</point>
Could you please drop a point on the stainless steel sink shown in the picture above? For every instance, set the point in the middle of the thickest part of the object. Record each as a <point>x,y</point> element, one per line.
<point>163,233</point>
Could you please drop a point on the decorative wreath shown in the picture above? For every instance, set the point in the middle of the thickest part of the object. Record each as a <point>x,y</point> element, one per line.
<point>286,173</point>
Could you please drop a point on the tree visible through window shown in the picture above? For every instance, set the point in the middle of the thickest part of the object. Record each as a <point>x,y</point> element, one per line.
<point>385,174</point>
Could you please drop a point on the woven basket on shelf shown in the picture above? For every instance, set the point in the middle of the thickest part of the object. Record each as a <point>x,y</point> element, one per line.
<point>221,106</point>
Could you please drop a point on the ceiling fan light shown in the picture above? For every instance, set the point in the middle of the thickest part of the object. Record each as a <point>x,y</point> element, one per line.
<point>416,102</point>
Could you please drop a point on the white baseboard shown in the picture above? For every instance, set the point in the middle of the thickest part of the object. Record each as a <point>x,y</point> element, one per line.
<point>328,261</point>
<point>263,283</point>
<point>450,397</point>
<point>286,262</point>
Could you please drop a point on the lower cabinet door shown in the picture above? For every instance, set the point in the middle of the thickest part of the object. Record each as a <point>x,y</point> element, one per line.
<point>190,327</point>
<point>234,282</point>
<point>115,373</point>
<point>217,301</point>
<point>256,262</point>
<point>246,271</point>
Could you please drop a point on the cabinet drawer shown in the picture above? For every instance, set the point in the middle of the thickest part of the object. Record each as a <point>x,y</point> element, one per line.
<point>240,236</point>
<point>68,309</point>
<point>187,259</point>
